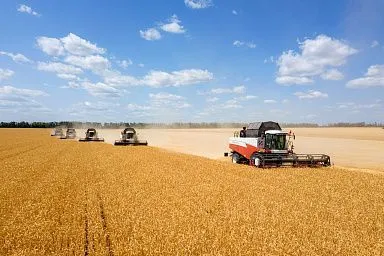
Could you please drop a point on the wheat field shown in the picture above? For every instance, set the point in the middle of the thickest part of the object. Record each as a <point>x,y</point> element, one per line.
<point>62,197</point>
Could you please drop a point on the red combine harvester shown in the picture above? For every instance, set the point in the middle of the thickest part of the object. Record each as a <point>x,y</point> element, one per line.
<point>264,144</point>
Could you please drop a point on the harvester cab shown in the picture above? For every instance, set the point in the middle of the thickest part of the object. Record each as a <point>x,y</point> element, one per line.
<point>91,135</point>
<point>57,132</point>
<point>129,138</point>
<point>266,144</point>
<point>70,134</point>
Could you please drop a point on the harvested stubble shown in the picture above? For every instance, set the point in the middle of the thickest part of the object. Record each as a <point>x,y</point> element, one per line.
<point>63,197</point>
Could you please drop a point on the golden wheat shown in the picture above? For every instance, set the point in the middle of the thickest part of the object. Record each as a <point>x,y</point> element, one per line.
<point>63,197</point>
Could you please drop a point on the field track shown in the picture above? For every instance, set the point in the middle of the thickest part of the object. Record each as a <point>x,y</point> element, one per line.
<point>62,197</point>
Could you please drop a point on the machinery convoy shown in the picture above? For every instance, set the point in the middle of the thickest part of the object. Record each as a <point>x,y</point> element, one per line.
<point>261,144</point>
<point>129,138</point>
<point>70,134</point>
<point>264,144</point>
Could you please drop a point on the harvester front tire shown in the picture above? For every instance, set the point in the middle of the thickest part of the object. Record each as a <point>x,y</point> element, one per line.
<point>235,158</point>
<point>256,161</point>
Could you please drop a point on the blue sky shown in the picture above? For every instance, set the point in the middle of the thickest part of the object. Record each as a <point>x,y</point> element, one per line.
<point>192,61</point>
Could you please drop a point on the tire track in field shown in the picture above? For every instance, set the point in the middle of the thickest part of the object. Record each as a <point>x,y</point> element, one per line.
<point>103,218</point>
<point>86,227</point>
<point>19,153</point>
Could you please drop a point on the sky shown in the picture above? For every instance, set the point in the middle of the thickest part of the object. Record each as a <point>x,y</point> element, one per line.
<point>192,61</point>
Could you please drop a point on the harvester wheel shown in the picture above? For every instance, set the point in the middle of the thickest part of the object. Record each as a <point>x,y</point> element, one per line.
<point>257,160</point>
<point>235,158</point>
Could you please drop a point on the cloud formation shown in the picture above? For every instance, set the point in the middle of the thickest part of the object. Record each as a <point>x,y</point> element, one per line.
<point>316,57</point>
<point>20,100</point>
<point>150,34</point>
<point>238,43</point>
<point>18,57</point>
<point>26,9</point>
<point>311,94</point>
<point>5,74</point>
<point>173,25</point>
<point>198,4</point>
<point>68,45</point>
<point>374,77</point>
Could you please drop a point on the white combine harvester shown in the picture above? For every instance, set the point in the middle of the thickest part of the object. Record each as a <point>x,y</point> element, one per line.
<point>264,144</point>
<point>91,135</point>
<point>58,131</point>
<point>70,134</point>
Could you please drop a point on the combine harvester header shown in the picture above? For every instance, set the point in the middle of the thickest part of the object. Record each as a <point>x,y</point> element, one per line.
<point>264,144</point>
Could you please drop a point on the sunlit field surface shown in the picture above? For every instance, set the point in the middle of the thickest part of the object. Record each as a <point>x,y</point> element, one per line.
<point>62,197</point>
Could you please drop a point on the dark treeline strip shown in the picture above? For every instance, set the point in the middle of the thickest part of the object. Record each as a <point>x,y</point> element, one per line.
<point>180,125</point>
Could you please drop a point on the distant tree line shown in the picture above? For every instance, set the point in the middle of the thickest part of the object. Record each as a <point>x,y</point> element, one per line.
<point>175,125</point>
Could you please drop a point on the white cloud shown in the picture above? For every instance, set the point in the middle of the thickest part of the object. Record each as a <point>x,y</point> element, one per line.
<point>59,68</point>
<point>141,65</point>
<point>76,45</point>
<point>231,106</point>
<point>21,101</point>
<point>287,80</point>
<point>242,43</point>
<point>246,97</point>
<point>116,78</point>
<point>124,63</point>
<point>71,44</point>
<point>10,90</point>
<point>68,76</point>
<point>161,78</point>
<point>212,99</point>
<point>374,44</point>
<point>51,46</point>
<point>136,107</point>
<point>316,56</point>
<point>332,74</point>
<point>18,57</point>
<point>311,94</point>
<point>270,101</point>
<point>150,34</point>
<point>355,106</point>
<point>237,89</point>
<point>373,78</point>
<point>221,90</point>
<point>165,96</point>
<point>96,63</point>
<point>234,12</point>
<point>285,101</point>
<point>173,26</point>
<point>26,9</point>
<point>101,90</point>
<point>176,78</point>
<point>198,4</point>
<point>5,74</point>
<point>168,100</point>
